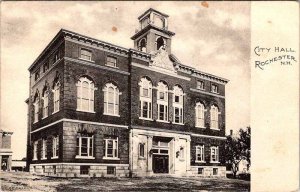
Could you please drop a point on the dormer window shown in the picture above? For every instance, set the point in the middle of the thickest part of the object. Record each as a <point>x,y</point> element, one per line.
<point>85,54</point>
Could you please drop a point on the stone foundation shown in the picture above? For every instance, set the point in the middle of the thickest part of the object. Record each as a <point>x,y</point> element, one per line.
<point>80,170</point>
<point>208,171</point>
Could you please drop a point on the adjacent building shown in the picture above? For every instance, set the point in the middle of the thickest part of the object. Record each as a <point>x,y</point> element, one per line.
<point>5,150</point>
<point>98,109</point>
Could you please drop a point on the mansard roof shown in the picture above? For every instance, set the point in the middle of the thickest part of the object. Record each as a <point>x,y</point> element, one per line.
<point>135,53</point>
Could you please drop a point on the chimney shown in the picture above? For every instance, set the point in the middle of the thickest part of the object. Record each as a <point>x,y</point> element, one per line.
<point>231,132</point>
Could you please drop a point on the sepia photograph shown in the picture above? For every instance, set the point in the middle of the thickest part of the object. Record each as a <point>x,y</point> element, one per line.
<point>128,96</point>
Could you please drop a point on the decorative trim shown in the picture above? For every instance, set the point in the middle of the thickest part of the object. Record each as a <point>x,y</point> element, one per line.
<point>95,65</point>
<point>79,121</point>
<point>158,71</point>
<point>84,157</point>
<point>173,131</point>
<point>102,164</point>
<point>209,77</point>
<point>206,93</point>
<point>95,47</point>
<point>111,158</point>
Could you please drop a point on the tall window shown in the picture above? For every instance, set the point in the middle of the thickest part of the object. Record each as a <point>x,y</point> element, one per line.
<point>56,97</point>
<point>111,61</point>
<point>199,115</point>
<point>45,104</point>
<point>37,74</point>
<point>162,101</point>
<point>200,153</point>
<point>145,98</point>
<point>160,43</point>
<point>85,95</point>
<point>142,150</point>
<point>55,147</point>
<point>111,148</point>
<point>36,110</point>
<point>85,144</point>
<point>178,104</point>
<point>35,146</point>
<point>111,99</point>
<point>86,54</point>
<point>214,154</point>
<point>214,117</point>
<point>44,149</point>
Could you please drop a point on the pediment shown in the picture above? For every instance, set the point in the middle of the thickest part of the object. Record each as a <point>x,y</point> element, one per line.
<point>161,61</point>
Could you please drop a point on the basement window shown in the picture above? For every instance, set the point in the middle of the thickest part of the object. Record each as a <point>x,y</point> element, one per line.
<point>111,170</point>
<point>215,171</point>
<point>84,170</point>
<point>200,171</point>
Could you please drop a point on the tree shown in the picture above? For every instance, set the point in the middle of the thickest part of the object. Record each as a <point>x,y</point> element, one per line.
<point>238,148</point>
<point>245,140</point>
<point>233,153</point>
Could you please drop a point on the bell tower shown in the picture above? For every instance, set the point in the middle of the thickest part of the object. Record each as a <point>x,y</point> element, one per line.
<point>153,34</point>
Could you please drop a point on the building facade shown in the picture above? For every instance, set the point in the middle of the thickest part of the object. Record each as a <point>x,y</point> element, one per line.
<point>5,150</point>
<point>98,109</point>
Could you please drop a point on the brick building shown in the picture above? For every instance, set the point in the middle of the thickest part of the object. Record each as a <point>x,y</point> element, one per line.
<point>5,150</point>
<point>98,109</point>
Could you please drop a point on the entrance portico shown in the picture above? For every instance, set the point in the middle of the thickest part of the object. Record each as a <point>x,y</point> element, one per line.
<point>154,152</point>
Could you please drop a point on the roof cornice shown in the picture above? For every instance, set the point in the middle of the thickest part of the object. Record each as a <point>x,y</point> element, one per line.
<point>150,26</point>
<point>153,10</point>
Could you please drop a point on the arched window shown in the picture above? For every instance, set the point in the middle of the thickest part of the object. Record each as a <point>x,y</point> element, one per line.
<point>45,103</point>
<point>145,98</point>
<point>199,115</point>
<point>85,95</point>
<point>160,43</point>
<point>56,95</point>
<point>162,101</point>
<point>178,104</point>
<point>111,99</point>
<point>214,117</point>
<point>36,108</point>
<point>142,45</point>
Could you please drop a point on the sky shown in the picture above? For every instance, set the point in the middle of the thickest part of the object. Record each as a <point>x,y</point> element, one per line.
<point>213,37</point>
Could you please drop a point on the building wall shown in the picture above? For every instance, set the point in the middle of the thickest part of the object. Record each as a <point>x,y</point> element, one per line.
<point>5,141</point>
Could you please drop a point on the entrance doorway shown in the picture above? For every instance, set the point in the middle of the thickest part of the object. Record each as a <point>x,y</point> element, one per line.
<point>160,157</point>
<point>160,164</point>
<point>4,163</point>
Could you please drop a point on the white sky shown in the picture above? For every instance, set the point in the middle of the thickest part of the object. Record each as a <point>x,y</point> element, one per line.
<point>213,39</point>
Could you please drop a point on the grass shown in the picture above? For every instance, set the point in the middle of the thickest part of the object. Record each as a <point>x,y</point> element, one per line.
<point>22,181</point>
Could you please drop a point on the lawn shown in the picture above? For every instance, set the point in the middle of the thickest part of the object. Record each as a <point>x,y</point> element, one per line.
<point>22,181</point>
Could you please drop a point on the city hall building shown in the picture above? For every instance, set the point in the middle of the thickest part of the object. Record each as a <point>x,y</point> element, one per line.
<point>98,109</point>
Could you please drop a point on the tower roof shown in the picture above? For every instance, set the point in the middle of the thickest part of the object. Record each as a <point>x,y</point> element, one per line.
<point>152,10</point>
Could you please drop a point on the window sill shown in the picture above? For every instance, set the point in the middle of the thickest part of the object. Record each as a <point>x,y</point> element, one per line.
<point>142,158</point>
<point>34,159</point>
<point>181,160</point>
<point>214,162</point>
<point>35,122</point>
<point>111,115</point>
<point>200,127</point>
<point>54,157</point>
<point>84,157</point>
<point>55,112</point>
<point>44,158</point>
<point>200,162</point>
<point>115,67</point>
<point>85,111</point>
<point>86,60</point>
<point>215,129</point>
<point>44,117</point>
<point>111,158</point>
<point>215,93</point>
<point>162,121</point>
<point>200,89</point>
<point>178,123</point>
<point>148,119</point>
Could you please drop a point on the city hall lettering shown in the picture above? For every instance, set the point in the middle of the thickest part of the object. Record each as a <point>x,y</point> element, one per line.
<point>98,109</point>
